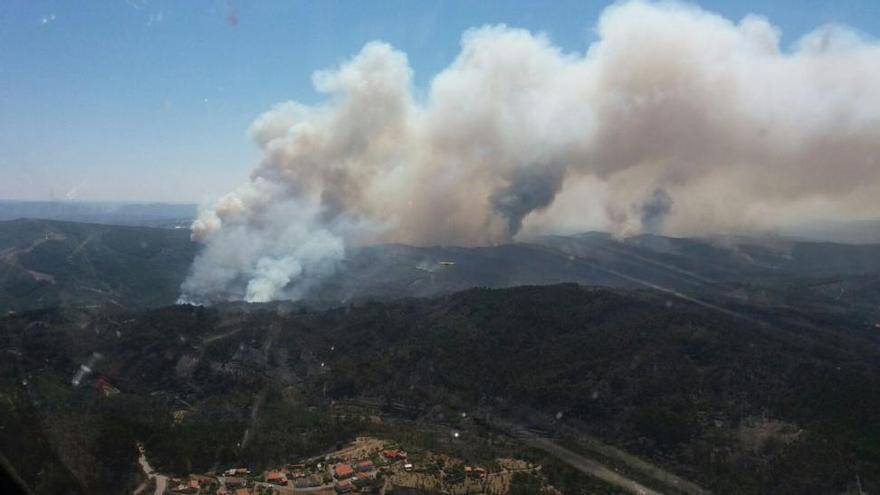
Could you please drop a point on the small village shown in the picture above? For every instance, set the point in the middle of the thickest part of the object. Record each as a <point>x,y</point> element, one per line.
<point>367,465</point>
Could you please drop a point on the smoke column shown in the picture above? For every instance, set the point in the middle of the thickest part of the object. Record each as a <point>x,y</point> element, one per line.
<point>688,122</point>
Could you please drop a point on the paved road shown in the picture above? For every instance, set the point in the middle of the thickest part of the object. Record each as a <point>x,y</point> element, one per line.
<point>589,466</point>
<point>597,469</point>
<point>291,489</point>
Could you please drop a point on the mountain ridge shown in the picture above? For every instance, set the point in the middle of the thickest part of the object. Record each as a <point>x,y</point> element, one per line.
<point>47,263</point>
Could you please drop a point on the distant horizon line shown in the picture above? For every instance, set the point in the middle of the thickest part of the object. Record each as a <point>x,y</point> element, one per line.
<point>105,201</point>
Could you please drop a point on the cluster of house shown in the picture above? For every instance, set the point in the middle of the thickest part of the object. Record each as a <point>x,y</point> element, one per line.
<point>474,472</point>
<point>397,455</point>
<point>360,475</point>
<point>354,474</point>
<point>235,482</point>
<point>195,484</point>
<point>276,478</point>
<point>297,475</point>
<point>186,486</point>
<point>348,477</point>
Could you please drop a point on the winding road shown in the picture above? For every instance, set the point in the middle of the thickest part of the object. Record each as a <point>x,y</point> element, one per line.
<point>161,480</point>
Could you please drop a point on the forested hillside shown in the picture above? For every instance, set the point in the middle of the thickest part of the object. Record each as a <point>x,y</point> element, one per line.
<point>750,399</point>
<point>48,263</point>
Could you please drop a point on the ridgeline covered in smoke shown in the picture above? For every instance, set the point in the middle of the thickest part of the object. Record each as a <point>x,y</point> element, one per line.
<point>675,120</point>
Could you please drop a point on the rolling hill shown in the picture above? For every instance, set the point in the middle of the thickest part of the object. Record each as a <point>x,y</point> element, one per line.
<point>47,263</point>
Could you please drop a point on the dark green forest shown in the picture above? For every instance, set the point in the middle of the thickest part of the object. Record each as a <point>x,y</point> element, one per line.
<point>752,399</point>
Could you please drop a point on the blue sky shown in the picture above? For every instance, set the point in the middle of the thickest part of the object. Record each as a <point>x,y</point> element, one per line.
<point>151,99</point>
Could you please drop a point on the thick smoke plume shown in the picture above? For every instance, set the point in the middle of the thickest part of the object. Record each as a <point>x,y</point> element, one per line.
<point>685,122</point>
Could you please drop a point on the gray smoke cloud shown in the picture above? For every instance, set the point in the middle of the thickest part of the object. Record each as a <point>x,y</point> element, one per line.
<point>654,210</point>
<point>529,189</point>
<point>737,130</point>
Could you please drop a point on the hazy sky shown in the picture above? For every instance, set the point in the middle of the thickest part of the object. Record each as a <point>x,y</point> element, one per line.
<point>151,99</point>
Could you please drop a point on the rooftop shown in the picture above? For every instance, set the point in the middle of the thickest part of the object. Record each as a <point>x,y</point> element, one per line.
<point>342,470</point>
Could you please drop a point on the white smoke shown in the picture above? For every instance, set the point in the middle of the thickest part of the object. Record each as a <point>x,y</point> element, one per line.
<point>267,247</point>
<point>687,122</point>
